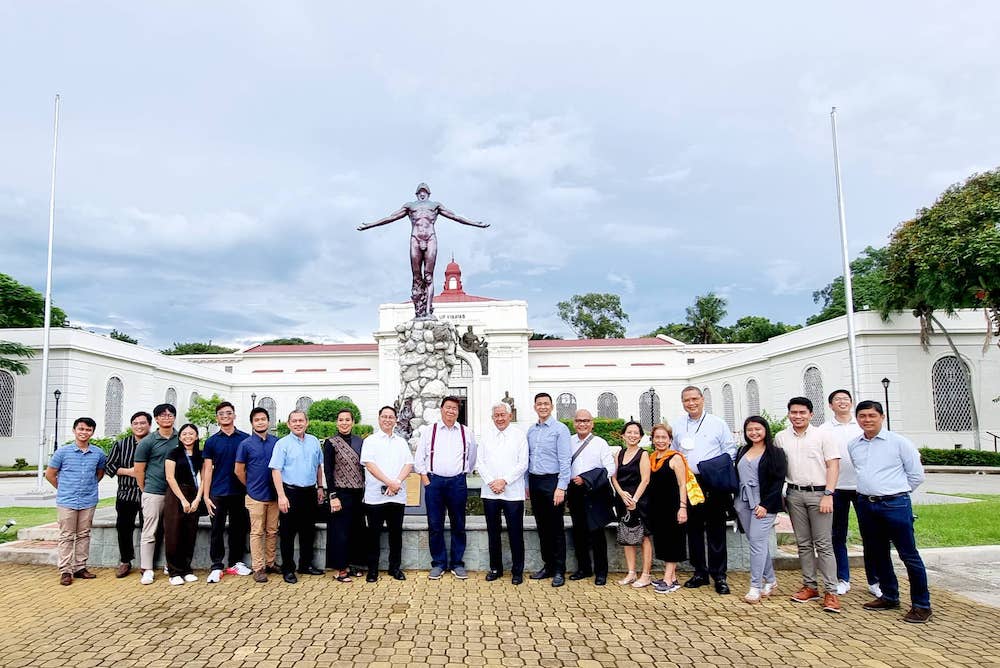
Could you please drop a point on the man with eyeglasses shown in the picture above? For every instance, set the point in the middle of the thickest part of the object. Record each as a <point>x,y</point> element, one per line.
<point>128,500</point>
<point>589,498</point>
<point>226,495</point>
<point>151,477</point>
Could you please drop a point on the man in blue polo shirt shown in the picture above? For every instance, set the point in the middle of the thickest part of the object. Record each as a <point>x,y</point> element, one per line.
<point>253,458</point>
<point>549,458</point>
<point>226,495</point>
<point>74,471</point>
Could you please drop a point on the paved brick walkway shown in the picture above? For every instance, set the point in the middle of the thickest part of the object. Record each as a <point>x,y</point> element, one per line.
<point>319,622</point>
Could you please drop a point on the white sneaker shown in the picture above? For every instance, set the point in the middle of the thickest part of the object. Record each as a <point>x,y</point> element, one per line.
<point>753,596</point>
<point>242,569</point>
<point>165,571</point>
<point>214,576</point>
<point>769,588</point>
<point>147,578</point>
<point>875,590</point>
<point>190,577</point>
<point>843,587</point>
<point>176,580</point>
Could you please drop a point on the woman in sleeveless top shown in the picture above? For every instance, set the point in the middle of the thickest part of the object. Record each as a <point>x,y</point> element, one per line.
<point>345,483</point>
<point>668,499</point>
<point>630,481</point>
<point>181,504</point>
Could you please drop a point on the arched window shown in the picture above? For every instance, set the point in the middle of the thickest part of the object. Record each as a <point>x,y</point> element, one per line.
<point>707,393</point>
<point>268,404</point>
<point>114,399</point>
<point>346,398</point>
<point>460,373</point>
<point>753,398</point>
<point>607,405</point>
<point>649,409</point>
<point>565,406</point>
<point>6,405</point>
<point>812,389</point>
<point>950,383</point>
<point>728,412</point>
<point>303,403</point>
<point>171,397</point>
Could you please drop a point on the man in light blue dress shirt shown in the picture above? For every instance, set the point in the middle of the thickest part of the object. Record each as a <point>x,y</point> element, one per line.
<point>888,467</point>
<point>548,478</point>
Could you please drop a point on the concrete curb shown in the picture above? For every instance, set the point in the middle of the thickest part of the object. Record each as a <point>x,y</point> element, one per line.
<point>977,470</point>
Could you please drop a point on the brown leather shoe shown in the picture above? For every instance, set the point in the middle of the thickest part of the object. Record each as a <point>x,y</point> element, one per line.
<point>259,576</point>
<point>805,595</point>
<point>880,604</point>
<point>84,574</point>
<point>917,615</point>
<point>123,569</point>
<point>831,603</point>
<point>66,579</point>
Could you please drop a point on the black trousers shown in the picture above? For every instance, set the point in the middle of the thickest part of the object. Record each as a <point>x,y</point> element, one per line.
<point>391,515</point>
<point>513,512</point>
<point>125,525</point>
<point>300,520</point>
<point>585,539</point>
<point>234,508</point>
<point>180,530</point>
<point>707,523</point>
<point>346,543</point>
<point>549,521</point>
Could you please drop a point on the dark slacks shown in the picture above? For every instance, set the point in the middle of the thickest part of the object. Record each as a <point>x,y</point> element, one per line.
<point>346,542</point>
<point>391,515</point>
<point>300,521</point>
<point>179,531</point>
<point>585,539</point>
<point>125,526</point>
<point>446,494</point>
<point>842,500</point>
<point>513,513</point>
<point>233,508</point>
<point>707,524</point>
<point>549,521</point>
<point>891,521</point>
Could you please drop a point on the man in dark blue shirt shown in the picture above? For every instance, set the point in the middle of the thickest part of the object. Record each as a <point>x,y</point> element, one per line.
<point>226,494</point>
<point>253,457</point>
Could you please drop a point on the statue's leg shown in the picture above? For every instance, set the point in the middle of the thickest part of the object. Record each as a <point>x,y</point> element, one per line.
<point>418,291</point>
<point>430,259</point>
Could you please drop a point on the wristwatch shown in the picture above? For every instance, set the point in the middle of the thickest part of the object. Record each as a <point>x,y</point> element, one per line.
<point>827,492</point>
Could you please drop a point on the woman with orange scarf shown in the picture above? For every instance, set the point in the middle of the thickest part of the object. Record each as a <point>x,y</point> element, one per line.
<point>668,501</point>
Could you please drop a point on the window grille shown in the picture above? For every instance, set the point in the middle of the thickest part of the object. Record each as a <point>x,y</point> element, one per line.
<point>114,396</point>
<point>950,383</point>
<point>6,405</point>
<point>461,371</point>
<point>812,389</point>
<point>171,397</point>
<point>753,398</point>
<point>649,409</point>
<point>268,404</point>
<point>565,406</point>
<point>303,404</point>
<point>727,406</point>
<point>344,397</point>
<point>607,405</point>
<point>707,393</point>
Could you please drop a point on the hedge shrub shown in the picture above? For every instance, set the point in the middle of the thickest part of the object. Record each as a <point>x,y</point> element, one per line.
<point>930,456</point>
<point>323,429</point>
<point>610,429</point>
<point>326,410</point>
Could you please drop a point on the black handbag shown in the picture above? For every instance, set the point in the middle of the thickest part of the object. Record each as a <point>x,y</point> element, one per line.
<point>630,529</point>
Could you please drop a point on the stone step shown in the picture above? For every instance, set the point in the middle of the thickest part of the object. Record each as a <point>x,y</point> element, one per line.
<point>40,532</point>
<point>36,552</point>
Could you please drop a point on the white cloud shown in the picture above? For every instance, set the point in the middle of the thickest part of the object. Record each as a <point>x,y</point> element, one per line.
<point>668,176</point>
<point>625,282</point>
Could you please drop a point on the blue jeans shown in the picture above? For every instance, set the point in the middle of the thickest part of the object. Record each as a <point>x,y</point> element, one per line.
<point>842,500</point>
<point>891,521</point>
<point>446,494</point>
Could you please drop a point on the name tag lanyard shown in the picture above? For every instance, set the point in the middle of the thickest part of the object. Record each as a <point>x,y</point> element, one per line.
<point>688,441</point>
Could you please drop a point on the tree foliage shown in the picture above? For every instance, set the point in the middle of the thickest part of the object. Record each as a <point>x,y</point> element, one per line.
<point>293,341</point>
<point>674,330</point>
<point>756,329</point>
<point>867,284</point>
<point>704,319</point>
<point>198,349</point>
<point>202,411</point>
<point>8,351</point>
<point>540,336</point>
<point>122,336</point>
<point>23,306</point>
<point>595,315</point>
<point>326,410</point>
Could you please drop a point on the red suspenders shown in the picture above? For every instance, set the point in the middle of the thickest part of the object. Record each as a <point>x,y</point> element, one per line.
<point>434,433</point>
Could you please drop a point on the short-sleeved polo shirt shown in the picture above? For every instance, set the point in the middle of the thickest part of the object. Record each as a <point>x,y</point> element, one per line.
<point>221,449</point>
<point>77,475</point>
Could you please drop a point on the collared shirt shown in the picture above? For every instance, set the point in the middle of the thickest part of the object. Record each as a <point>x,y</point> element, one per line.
<point>597,453</point>
<point>297,459</point>
<point>548,450</point>
<point>153,450</point>
<point>122,456</point>
<point>221,449</point>
<point>448,449</point>
<point>503,455</point>
<point>77,475</point>
<point>256,453</point>
<point>390,453</point>
<point>843,433</point>
<point>703,439</point>
<point>887,464</point>
<point>807,455</point>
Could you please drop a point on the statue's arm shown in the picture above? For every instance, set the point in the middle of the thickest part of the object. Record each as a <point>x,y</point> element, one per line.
<point>447,213</point>
<point>391,218</point>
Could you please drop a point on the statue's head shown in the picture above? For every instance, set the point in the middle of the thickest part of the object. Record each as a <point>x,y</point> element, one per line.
<point>425,189</point>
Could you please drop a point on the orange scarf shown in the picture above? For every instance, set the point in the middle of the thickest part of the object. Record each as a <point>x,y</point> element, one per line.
<point>658,458</point>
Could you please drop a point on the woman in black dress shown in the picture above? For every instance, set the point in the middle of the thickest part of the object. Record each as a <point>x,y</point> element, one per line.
<point>668,500</point>
<point>630,481</point>
<point>345,481</point>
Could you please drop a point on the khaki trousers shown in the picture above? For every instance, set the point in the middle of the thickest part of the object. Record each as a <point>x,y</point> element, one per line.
<point>263,532</point>
<point>814,536</point>
<point>74,538</point>
<point>152,509</point>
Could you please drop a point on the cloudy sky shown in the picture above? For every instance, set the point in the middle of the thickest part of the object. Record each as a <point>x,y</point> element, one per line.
<point>215,159</point>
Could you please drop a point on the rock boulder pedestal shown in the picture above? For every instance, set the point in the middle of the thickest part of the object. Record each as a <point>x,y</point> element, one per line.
<point>426,358</point>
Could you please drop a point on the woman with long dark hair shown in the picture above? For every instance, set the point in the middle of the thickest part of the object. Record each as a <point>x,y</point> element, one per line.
<point>181,505</point>
<point>345,483</point>
<point>760,467</point>
<point>630,481</point>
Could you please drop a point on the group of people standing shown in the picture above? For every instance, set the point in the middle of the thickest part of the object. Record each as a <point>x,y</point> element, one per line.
<point>673,502</point>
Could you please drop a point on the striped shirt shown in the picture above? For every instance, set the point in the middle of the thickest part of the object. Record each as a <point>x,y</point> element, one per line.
<point>123,456</point>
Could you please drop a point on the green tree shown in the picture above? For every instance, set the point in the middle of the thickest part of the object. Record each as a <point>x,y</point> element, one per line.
<point>198,349</point>
<point>293,341</point>
<point>202,411</point>
<point>674,330</point>
<point>8,351</point>
<point>756,329</point>
<point>325,410</point>
<point>539,336</point>
<point>867,284</point>
<point>122,336</point>
<point>595,315</point>
<point>947,258</point>
<point>23,306</point>
<point>704,318</point>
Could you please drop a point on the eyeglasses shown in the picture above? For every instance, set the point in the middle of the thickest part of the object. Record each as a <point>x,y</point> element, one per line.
<point>582,420</point>
<point>225,413</point>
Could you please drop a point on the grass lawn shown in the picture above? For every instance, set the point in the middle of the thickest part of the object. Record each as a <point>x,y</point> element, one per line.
<point>30,517</point>
<point>952,524</point>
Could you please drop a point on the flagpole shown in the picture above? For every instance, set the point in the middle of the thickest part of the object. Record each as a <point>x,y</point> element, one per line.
<point>848,288</point>
<point>48,308</point>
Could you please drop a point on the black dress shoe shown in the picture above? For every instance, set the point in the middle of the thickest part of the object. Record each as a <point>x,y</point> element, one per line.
<point>541,574</point>
<point>579,575</point>
<point>493,575</point>
<point>272,569</point>
<point>398,574</point>
<point>558,580</point>
<point>516,579</point>
<point>601,580</point>
<point>372,576</point>
<point>312,570</point>
<point>721,587</point>
<point>290,578</point>
<point>696,581</point>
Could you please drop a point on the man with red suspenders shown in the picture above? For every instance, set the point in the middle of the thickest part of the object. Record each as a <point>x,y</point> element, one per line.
<point>447,452</point>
